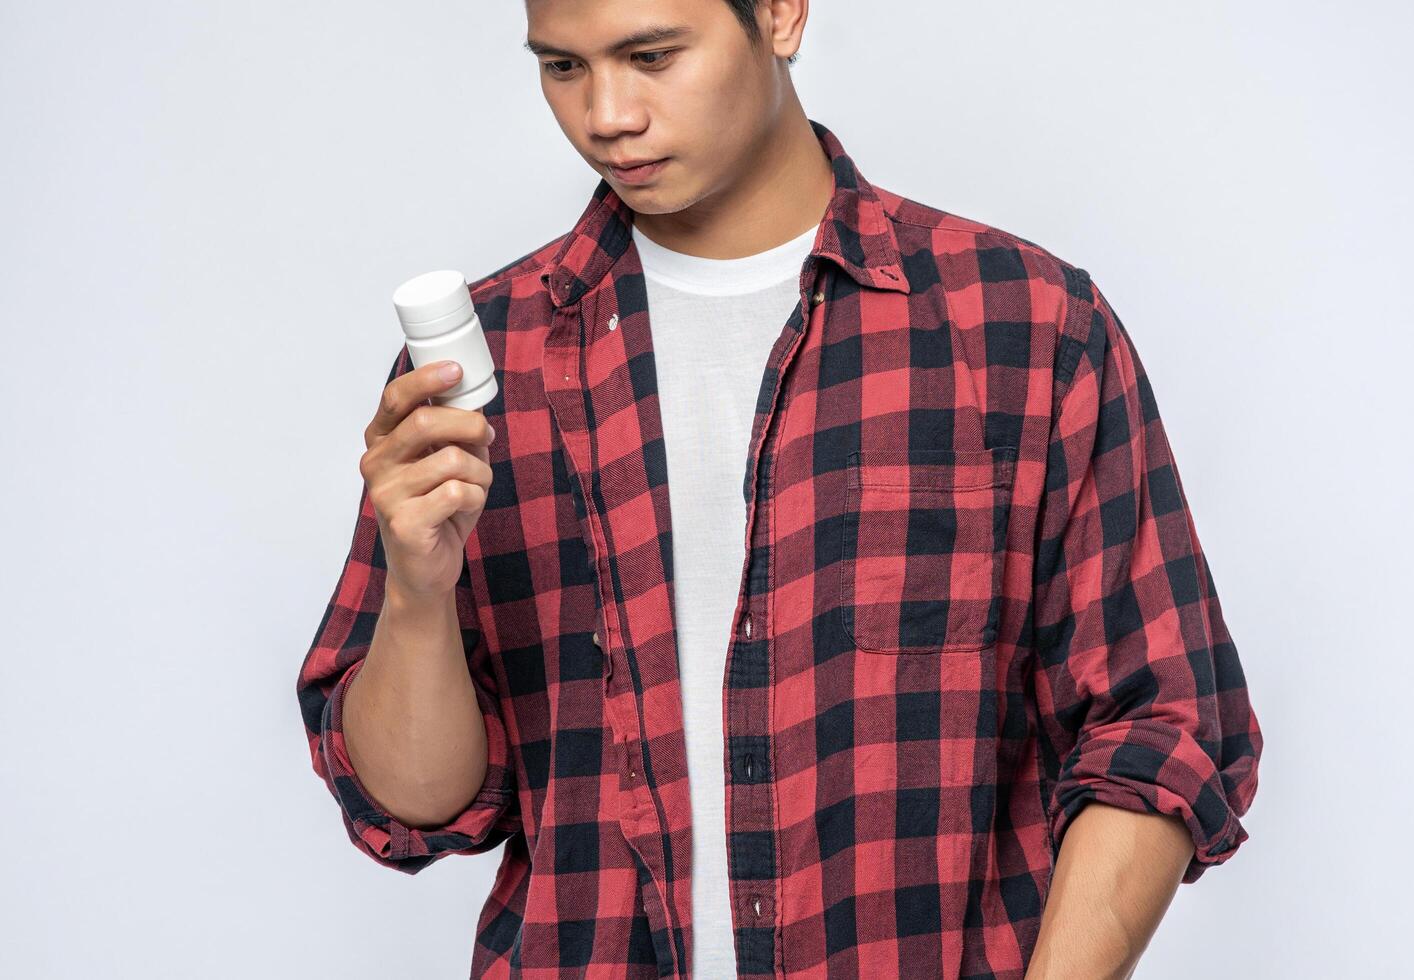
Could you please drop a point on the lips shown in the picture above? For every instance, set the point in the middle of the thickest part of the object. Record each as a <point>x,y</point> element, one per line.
<point>642,173</point>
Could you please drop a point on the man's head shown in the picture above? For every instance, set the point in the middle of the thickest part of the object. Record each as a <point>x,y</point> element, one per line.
<point>703,84</point>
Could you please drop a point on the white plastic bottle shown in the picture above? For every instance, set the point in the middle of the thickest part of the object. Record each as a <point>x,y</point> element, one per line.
<point>440,324</point>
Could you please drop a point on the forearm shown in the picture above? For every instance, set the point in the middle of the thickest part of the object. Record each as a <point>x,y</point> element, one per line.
<point>412,727</point>
<point>1115,875</point>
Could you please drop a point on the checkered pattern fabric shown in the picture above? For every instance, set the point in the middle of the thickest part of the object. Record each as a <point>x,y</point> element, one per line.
<point>973,600</point>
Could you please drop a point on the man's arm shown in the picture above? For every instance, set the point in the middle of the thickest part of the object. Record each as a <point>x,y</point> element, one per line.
<point>1114,878</point>
<point>425,724</point>
<point>412,727</point>
<point>1141,701</point>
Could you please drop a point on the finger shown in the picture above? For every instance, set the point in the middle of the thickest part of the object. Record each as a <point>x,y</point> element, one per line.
<point>447,499</point>
<point>404,393</point>
<point>431,427</point>
<point>423,476</point>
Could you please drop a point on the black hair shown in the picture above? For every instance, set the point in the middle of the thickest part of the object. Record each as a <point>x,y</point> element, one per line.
<point>745,11</point>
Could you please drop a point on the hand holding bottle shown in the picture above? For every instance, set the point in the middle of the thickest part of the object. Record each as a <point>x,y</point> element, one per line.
<point>428,472</point>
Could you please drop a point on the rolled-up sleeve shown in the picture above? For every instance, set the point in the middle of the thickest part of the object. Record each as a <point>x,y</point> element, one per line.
<point>337,653</point>
<point>1141,697</point>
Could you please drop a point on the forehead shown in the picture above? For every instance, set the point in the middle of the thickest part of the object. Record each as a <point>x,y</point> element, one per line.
<point>592,24</point>
<point>607,28</point>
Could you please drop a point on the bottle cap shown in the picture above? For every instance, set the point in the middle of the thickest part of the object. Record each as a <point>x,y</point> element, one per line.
<point>432,302</point>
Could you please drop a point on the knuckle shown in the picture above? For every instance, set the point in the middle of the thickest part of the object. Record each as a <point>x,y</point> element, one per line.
<point>378,497</point>
<point>447,459</point>
<point>388,405</point>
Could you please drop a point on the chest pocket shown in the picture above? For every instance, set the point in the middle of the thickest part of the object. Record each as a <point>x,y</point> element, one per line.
<point>922,547</point>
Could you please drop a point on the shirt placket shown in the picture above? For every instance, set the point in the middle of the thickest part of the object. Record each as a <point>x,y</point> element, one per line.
<point>752,840</point>
<point>634,633</point>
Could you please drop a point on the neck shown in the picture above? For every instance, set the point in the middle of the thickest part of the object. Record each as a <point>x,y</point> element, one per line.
<point>783,193</point>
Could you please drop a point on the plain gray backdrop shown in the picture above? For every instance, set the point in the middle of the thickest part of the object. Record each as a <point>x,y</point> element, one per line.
<point>205,207</point>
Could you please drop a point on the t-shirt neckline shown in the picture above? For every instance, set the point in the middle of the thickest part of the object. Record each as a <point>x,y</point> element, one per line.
<point>720,277</point>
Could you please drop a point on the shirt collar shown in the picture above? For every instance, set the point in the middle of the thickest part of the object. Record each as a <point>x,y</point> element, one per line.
<point>855,233</point>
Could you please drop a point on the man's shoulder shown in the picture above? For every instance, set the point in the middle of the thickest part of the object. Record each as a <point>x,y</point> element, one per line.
<point>990,253</point>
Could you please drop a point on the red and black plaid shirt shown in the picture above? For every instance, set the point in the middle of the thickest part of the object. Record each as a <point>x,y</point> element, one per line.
<point>973,600</point>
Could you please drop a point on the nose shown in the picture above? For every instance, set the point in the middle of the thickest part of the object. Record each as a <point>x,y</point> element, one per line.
<point>614,106</point>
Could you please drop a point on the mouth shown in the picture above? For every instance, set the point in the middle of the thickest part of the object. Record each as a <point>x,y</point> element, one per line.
<point>635,172</point>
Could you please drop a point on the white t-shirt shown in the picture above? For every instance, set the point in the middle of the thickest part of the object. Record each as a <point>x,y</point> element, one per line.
<point>714,322</point>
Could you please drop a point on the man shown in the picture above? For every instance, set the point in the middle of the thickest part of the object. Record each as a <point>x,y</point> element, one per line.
<point>851,723</point>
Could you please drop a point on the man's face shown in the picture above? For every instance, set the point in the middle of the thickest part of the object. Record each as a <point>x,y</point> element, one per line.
<point>702,98</point>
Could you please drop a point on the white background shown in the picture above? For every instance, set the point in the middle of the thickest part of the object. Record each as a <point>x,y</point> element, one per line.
<point>205,207</point>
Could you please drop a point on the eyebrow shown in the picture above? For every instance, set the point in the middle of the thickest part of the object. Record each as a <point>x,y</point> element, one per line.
<point>645,36</point>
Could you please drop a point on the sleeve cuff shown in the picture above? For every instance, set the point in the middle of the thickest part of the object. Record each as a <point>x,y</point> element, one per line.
<point>1153,767</point>
<point>488,820</point>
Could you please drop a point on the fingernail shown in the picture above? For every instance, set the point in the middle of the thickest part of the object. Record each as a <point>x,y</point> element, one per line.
<point>492,429</point>
<point>450,371</point>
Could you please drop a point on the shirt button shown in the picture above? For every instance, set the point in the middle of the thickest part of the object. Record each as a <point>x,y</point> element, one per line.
<point>817,299</point>
<point>746,626</point>
<point>756,905</point>
<point>596,640</point>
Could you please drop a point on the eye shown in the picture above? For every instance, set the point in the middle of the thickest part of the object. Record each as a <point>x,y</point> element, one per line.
<point>662,56</point>
<point>659,59</point>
